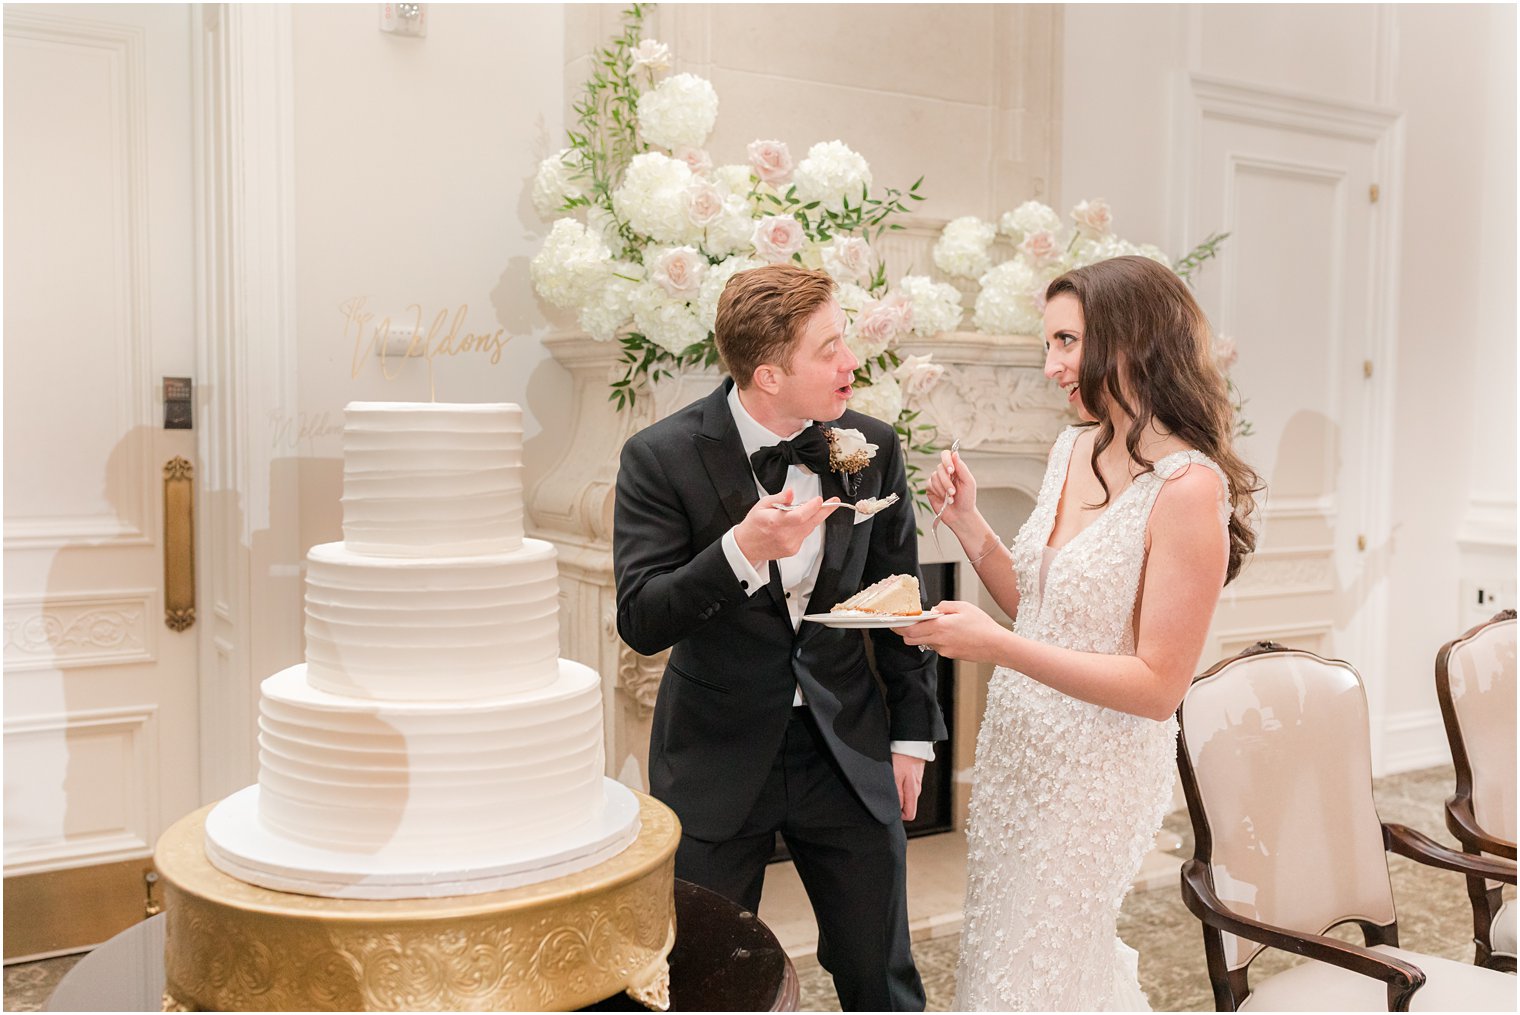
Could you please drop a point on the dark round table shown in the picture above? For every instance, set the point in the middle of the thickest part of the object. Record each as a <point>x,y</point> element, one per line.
<point>724,959</point>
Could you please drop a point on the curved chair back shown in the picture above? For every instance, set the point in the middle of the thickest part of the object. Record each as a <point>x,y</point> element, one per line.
<point>1276,763</point>
<point>1475,680</point>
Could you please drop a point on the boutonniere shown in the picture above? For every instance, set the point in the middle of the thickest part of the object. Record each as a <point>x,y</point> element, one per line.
<point>849,452</point>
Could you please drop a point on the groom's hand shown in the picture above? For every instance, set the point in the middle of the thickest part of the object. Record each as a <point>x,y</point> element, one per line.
<point>768,534</point>
<point>909,773</point>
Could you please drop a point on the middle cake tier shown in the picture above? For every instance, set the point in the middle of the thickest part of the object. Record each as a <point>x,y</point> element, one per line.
<point>432,628</point>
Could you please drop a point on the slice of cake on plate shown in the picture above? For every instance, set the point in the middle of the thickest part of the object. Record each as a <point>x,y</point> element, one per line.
<point>896,595</point>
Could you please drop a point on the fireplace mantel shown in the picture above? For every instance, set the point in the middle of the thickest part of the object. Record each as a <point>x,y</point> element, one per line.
<point>993,397</point>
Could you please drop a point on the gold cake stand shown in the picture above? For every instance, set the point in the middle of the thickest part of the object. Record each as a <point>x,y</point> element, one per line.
<point>553,946</point>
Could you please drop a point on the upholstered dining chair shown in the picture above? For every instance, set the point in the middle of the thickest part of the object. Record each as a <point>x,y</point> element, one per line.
<point>1275,758</point>
<point>1475,681</point>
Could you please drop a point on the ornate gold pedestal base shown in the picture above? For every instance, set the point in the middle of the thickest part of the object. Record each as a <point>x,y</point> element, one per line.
<point>554,946</point>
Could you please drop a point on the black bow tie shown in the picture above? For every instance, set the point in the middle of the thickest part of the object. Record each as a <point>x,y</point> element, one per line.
<point>810,448</point>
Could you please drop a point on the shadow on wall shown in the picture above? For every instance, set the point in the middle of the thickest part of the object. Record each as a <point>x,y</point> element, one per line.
<point>1309,464</point>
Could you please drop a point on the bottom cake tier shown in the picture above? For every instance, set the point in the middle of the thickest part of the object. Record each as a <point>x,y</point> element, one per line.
<point>555,945</point>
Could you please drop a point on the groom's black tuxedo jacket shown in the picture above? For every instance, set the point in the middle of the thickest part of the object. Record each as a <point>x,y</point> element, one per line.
<point>735,663</point>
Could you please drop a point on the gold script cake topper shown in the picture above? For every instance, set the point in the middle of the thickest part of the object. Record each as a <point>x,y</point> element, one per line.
<point>443,337</point>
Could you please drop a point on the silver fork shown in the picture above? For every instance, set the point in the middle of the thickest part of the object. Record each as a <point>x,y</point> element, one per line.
<point>870,506</point>
<point>955,447</point>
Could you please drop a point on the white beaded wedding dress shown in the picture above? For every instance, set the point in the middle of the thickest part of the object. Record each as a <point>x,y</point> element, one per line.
<point>1068,796</point>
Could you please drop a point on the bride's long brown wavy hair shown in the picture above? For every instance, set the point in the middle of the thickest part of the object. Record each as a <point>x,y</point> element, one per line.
<point>1141,320</point>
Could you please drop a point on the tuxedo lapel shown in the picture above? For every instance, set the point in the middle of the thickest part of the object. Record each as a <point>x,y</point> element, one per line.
<point>722,454</point>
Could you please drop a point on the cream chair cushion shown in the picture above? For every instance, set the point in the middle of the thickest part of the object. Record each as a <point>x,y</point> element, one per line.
<point>1319,986</point>
<point>1501,933</point>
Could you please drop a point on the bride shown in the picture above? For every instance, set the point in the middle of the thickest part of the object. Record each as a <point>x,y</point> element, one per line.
<point>1113,579</point>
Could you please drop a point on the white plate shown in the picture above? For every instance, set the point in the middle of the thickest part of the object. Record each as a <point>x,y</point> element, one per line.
<point>869,619</point>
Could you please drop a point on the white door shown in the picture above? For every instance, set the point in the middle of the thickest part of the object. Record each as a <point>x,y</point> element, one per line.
<point>100,719</point>
<point>1298,184</point>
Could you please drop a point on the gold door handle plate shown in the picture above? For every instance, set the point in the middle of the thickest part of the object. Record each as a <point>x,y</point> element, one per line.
<point>179,544</point>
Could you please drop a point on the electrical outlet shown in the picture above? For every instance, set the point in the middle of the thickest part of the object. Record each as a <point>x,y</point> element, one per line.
<point>1482,598</point>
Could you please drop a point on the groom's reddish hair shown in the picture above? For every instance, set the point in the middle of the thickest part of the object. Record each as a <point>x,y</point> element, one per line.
<point>760,316</point>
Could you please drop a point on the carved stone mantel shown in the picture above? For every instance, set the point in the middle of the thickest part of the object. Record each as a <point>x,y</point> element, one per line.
<point>993,396</point>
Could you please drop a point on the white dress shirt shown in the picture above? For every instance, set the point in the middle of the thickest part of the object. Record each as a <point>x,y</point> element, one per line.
<point>799,572</point>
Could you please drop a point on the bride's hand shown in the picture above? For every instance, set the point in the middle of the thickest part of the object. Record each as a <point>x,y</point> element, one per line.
<point>964,632</point>
<point>952,482</point>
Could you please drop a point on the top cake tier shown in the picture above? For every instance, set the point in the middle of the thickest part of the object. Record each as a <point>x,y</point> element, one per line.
<point>426,479</point>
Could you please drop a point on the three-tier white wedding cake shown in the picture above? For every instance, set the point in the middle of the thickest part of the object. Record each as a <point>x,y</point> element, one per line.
<point>433,743</point>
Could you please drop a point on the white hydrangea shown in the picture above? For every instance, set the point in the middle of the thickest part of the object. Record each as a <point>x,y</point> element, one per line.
<point>669,323</point>
<point>732,231</point>
<point>832,173</point>
<point>559,178</point>
<point>1006,304</point>
<point>712,287</point>
<point>1092,251</point>
<point>569,267</point>
<point>680,110</point>
<point>609,307</point>
<point>936,305</point>
<point>1030,217</point>
<point>883,399</point>
<point>964,247</point>
<point>652,197</point>
<point>1154,252</point>
<point>851,298</point>
<point>736,179</point>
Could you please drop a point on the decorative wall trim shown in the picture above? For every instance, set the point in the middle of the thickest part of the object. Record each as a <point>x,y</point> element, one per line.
<point>995,397</point>
<point>134,770</point>
<point>71,632</point>
<point>1412,740</point>
<point>39,532</point>
<point>124,48</point>
<point>639,676</point>
<point>245,117</point>
<point>1488,524</point>
<point>1226,99</point>
<point>1286,572</point>
<point>1314,637</point>
<point>1299,508</point>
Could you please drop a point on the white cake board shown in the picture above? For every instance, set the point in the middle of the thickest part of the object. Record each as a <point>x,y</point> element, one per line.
<point>237,843</point>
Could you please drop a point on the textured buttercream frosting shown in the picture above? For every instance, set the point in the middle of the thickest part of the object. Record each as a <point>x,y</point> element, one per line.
<point>432,732</point>
<point>432,629</point>
<point>423,479</point>
<point>416,778</point>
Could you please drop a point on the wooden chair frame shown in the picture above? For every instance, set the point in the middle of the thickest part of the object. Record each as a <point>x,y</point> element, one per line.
<point>1461,821</point>
<point>1231,988</point>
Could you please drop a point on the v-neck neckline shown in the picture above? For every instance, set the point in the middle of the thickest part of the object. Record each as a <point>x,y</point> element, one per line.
<point>1055,514</point>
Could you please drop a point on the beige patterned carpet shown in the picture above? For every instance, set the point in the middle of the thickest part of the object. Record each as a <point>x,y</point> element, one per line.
<point>1434,916</point>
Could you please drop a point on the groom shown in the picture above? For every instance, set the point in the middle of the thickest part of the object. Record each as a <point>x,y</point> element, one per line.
<point>766,722</point>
